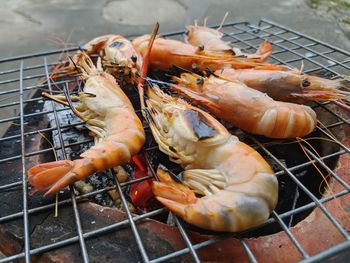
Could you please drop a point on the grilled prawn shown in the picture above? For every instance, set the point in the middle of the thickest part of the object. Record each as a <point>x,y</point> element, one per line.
<point>167,53</point>
<point>119,58</point>
<point>246,108</point>
<point>291,86</point>
<point>210,41</point>
<point>110,116</point>
<point>238,186</point>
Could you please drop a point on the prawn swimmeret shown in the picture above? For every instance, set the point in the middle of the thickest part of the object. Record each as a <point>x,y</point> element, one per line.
<point>246,108</point>
<point>238,186</point>
<point>110,116</point>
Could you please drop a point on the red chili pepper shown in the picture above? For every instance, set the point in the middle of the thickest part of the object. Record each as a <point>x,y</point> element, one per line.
<point>141,193</point>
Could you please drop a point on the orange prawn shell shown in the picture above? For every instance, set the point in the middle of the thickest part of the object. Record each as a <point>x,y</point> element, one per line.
<point>110,116</point>
<point>238,186</point>
<point>167,53</point>
<point>247,108</point>
<point>288,85</point>
<point>163,54</point>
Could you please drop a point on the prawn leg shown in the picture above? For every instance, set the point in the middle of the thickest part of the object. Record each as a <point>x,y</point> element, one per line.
<point>204,181</point>
<point>173,195</point>
<point>66,102</point>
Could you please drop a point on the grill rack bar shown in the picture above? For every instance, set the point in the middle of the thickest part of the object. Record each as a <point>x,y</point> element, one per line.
<point>177,221</point>
<point>12,158</point>
<point>84,196</point>
<point>252,31</point>
<point>24,174</point>
<point>297,181</point>
<point>74,202</point>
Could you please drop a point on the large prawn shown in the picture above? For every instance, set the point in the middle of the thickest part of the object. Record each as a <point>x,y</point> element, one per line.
<point>238,186</point>
<point>246,108</point>
<point>167,53</point>
<point>210,40</point>
<point>290,85</point>
<point>119,58</point>
<point>110,116</point>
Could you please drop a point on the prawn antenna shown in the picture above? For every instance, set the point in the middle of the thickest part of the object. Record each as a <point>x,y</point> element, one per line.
<point>75,65</point>
<point>146,61</point>
<point>223,21</point>
<point>81,48</point>
<point>178,70</point>
<point>302,66</point>
<point>342,105</point>
<point>205,21</point>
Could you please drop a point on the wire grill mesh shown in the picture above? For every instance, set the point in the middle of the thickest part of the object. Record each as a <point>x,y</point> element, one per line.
<point>19,81</point>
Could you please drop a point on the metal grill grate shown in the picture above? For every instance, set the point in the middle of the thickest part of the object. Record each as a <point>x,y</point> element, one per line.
<point>19,77</point>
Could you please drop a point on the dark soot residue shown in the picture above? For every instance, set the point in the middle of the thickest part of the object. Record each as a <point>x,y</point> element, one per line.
<point>196,121</point>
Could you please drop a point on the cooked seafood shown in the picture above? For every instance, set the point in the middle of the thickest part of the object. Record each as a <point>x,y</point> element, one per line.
<point>167,53</point>
<point>209,40</point>
<point>110,116</point>
<point>291,86</point>
<point>239,187</point>
<point>119,58</point>
<point>246,108</point>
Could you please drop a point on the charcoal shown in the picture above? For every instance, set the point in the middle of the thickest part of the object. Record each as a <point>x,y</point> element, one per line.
<point>72,135</point>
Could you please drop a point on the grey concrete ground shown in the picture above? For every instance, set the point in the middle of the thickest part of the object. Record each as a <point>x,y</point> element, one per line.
<point>28,25</point>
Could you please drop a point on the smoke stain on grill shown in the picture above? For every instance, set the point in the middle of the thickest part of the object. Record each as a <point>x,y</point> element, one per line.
<point>199,125</point>
<point>116,44</point>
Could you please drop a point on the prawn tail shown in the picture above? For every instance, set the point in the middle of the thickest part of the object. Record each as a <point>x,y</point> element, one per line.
<point>175,196</point>
<point>55,175</point>
<point>264,51</point>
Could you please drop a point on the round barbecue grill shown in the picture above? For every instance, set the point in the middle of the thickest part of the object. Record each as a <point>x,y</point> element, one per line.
<point>310,223</point>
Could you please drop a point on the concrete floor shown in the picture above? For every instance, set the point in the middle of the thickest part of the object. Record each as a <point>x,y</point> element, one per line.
<point>29,25</point>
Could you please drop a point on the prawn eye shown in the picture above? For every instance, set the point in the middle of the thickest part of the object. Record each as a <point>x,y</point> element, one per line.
<point>134,58</point>
<point>200,47</point>
<point>200,81</point>
<point>195,67</point>
<point>306,83</point>
<point>187,32</point>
